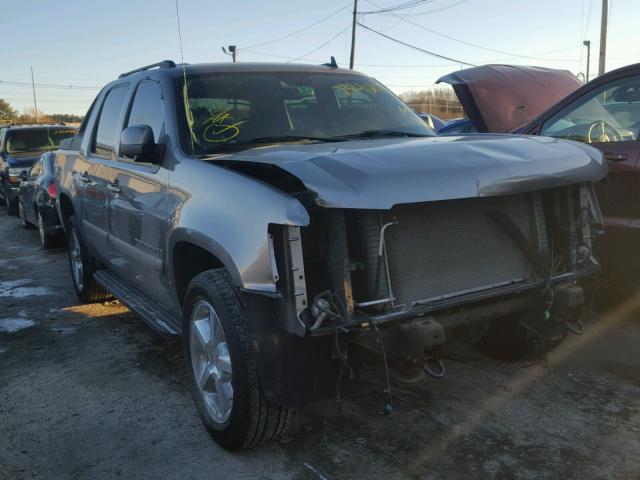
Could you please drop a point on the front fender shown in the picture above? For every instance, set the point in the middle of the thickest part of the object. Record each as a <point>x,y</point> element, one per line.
<point>228,214</point>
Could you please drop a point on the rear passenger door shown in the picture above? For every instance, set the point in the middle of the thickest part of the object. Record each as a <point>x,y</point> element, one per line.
<point>94,176</point>
<point>140,209</point>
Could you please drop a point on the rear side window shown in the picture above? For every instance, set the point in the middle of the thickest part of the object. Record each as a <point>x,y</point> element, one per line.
<point>147,108</point>
<point>105,138</point>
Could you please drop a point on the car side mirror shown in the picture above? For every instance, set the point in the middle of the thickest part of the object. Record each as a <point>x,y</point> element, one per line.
<point>137,143</point>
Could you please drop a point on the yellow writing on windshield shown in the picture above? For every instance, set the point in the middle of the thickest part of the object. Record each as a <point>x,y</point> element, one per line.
<point>218,129</point>
<point>350,88</point>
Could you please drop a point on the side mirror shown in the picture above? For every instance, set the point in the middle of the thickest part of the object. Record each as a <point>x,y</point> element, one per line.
<point>137,143</point>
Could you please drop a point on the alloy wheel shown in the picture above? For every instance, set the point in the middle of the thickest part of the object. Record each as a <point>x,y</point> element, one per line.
<point>41,230</point>
<point>76,259</point>
<point>210,361</point>
<point>23,220</point>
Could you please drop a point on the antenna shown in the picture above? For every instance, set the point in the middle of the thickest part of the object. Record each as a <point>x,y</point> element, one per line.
<point>185,92</point>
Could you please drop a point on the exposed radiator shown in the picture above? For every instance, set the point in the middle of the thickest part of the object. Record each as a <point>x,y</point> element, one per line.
<point>449,248</point>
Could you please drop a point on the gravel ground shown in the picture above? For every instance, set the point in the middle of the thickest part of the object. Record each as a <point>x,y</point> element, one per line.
<point>88,391</point>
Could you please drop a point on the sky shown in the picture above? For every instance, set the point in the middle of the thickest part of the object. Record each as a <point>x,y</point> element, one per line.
<point>87,43</point>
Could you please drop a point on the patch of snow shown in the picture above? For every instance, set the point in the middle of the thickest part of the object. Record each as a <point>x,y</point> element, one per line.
<point>18,289</point>
<point>12,325</point>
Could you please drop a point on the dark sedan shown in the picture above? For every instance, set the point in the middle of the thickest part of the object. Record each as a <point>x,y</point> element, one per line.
<point>36,201</point>
<point>604,113</point>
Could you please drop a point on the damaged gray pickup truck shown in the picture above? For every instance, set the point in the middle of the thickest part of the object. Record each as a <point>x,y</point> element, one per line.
<point>298,224</point>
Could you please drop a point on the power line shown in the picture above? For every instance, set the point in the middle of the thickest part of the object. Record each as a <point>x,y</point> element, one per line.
<point>44,100</point>
<point>323,45</point>
<point>46,85</point>
<point>307,27</point>
<point>397,7</point>
<point>434,10</point>
<point>454,39</point>
<point>433,54</point>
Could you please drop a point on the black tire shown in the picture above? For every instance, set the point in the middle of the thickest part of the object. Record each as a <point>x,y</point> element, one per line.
<point>21,217</point>
<point>88,290</point>
<point>4,197</point>
<point>12,207</point>
<point>253,419</point>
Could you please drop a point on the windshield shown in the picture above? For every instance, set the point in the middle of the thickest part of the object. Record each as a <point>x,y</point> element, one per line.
<point>227,110</point>
<point>36,139</point>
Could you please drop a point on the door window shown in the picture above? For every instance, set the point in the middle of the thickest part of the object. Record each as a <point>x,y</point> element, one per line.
<point>105,138</point>
<point>610,113</point>
<point>147,108</point>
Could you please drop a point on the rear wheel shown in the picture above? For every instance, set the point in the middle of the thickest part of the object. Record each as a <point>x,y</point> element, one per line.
<point>225,383</point>
<point>12,206</point>
<point>82,267</point>
<point>47,239</point>
<point>21,216</point>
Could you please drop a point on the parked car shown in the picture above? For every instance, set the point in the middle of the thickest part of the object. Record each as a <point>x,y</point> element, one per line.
<point>457,126</point>
<point>37,201</point>
<point>20,148</point>
<point>287,220</point>
<point>604,113</point>
<point>433,121</point>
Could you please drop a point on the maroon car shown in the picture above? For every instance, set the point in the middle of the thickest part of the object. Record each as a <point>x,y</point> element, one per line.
<point>604,113</point>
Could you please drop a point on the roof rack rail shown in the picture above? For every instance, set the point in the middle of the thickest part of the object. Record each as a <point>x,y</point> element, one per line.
<point>162,64</point>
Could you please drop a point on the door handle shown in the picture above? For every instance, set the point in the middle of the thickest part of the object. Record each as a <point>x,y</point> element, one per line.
<point>113,187</point>
<point>616,157</point>
<point>84,178</point>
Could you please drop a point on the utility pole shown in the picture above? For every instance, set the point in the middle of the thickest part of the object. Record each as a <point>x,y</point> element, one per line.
<point>603,36</point>
<point>587,43</point>
<point>353,34</point>
<point>232,52</point>
<point>33,86</point>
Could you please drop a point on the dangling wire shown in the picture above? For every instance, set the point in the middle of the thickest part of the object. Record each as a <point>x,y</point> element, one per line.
<point>388,408</point>
<point>185,92</point>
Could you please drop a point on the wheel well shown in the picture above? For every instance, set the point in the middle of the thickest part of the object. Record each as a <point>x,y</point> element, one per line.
<point>66,209</point>
<point>188,261</point>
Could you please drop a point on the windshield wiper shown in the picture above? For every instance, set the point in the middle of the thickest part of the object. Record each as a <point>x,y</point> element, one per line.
<point>245,144</point>
<point>385,133</point>
<point>293,138</point>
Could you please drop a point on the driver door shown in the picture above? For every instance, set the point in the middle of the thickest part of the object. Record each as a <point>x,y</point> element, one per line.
<point>608,118</point>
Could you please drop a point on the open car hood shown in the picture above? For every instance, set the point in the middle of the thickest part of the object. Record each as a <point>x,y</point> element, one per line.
<point>378,174</point>
<point>501,98</point>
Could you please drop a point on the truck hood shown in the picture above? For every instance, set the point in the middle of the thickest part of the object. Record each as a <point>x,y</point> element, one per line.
<point>501,98</point>
<point>378,174</point>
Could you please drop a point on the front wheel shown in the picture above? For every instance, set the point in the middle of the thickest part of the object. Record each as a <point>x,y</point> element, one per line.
<point>225,383</point>
<point>82,267</point>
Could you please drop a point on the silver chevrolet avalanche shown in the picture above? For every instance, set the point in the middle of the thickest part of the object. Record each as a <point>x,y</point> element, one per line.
<point>300,224</point>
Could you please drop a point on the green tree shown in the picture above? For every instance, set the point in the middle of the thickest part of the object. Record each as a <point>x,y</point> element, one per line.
<point>7,112</point>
